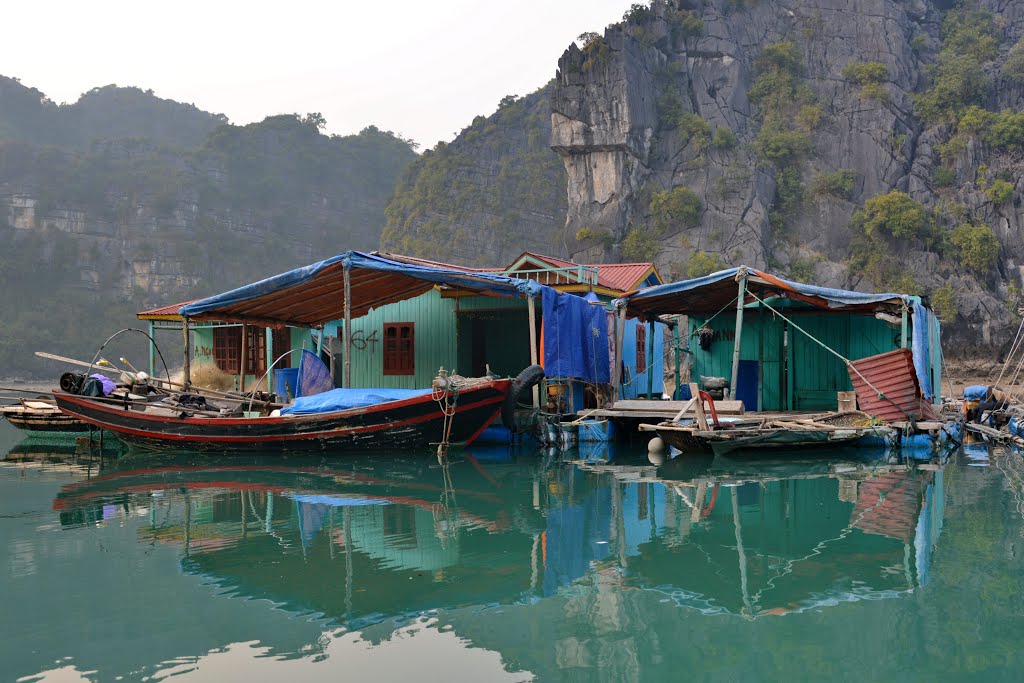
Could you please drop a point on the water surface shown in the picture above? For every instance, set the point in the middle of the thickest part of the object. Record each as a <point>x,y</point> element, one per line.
<point>505,565</point>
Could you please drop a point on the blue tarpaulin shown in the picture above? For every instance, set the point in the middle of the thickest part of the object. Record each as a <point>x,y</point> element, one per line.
<point>314,294</point>
<point>575,337</point>
<point>314,376</point>
<point>920,346</point>
<point>344,399</point>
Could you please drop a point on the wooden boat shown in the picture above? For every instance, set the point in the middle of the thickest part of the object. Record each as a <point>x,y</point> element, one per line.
<point>811,431</point>
<point>402,424</point>
<point>41,416</point>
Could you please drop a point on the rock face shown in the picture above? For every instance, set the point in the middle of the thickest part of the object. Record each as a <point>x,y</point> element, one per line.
<point>96,227</point>
<point>636,114</point>
<point>495,191</point>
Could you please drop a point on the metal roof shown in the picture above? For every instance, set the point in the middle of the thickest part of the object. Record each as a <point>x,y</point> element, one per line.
<point>711,293</point>
<point>164,312</point>
<point>315,294</point>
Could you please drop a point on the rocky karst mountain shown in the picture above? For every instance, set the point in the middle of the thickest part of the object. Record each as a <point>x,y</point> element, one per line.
<point>123,201</point>
<point>497,190</point>
<point>870,144</point>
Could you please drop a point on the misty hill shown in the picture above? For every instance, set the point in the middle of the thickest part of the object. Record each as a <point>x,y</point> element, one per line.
<point>123,200</point>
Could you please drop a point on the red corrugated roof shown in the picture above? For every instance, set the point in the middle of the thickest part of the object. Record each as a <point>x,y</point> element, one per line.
<point>621,277</point>
<point>165,310</point>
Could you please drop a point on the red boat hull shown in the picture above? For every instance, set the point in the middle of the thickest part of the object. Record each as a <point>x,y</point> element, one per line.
<point>410,423</point>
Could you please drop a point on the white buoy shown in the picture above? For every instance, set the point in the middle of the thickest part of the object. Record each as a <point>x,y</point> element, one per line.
<point>656,451</point>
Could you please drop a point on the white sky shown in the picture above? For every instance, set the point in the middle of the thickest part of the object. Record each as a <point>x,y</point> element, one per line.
<point>423,69</point>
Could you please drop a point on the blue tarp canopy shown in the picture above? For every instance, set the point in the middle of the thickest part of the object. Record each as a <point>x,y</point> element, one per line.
<point>315,294</point>
<point>711,293</point>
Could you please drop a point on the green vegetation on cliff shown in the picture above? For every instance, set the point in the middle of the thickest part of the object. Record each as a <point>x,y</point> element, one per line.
<point>496,177</point>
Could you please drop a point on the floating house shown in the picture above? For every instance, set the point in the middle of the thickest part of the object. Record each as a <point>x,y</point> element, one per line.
<point>781,345</point>
<point>404,341</point>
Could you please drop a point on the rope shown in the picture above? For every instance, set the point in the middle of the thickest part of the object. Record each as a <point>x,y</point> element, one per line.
<point>727,306</point>
<point>847,361</point>
<point>1013,349</point>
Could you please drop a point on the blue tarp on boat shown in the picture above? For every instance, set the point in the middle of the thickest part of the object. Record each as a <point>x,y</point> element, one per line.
<point>343,399</point>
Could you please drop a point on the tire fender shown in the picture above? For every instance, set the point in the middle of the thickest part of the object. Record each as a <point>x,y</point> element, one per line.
<point>518,392</point>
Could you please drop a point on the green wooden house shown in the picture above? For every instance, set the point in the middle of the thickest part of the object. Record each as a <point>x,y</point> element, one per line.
<point>404,344</point>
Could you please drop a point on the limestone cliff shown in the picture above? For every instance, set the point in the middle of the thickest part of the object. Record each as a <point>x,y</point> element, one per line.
<point>774,132</point>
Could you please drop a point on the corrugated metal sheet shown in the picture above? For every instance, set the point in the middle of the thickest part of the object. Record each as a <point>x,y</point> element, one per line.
<point>893,375</point>
<point>163,311</point>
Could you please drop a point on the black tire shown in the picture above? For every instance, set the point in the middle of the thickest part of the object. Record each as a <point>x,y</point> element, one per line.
<point>519,392</point>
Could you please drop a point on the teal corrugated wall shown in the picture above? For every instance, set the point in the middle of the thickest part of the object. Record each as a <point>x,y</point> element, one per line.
<point>815,376</point>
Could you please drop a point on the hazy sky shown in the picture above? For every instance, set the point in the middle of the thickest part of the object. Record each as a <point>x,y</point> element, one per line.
<point>422,69</point>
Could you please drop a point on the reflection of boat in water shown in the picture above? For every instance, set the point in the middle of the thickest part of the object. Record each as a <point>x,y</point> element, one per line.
<point>361,540</point>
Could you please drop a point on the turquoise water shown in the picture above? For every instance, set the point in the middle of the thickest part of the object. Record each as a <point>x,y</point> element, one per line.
<point>509,566</point>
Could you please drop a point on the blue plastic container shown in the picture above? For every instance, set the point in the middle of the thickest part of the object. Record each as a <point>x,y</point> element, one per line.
<point>596,431</point>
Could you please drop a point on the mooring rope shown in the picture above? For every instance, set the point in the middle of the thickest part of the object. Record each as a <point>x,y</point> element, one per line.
<point>1013,349</point>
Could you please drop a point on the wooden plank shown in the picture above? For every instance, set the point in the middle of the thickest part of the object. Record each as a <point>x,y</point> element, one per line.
<point>721,407</point>
<point>702,420</point>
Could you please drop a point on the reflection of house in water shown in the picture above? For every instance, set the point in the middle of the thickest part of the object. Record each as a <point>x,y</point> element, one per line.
<point>758,545</point>
<point>404,537</point>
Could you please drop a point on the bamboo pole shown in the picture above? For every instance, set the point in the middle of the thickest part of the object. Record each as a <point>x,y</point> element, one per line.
<point>348,328</point>
<point>739,333</point>
<point>650,360</point>
<point>187,367</point>
<point>152,348</point>
<point>531,307</point>
<point>620,332</point>
<point>243,361</point>
<point>678,352</point>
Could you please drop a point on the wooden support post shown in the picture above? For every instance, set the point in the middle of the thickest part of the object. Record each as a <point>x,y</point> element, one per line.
<point>187,366</point>
<point>904,328</point>
<point>739,332</point>
<point>650,360</point>
<point>270,359</point>
<point>348,329</point>
<point>243,359</point>
<point>320,342</point>
<point>152,348</point>
<point>531,307</point>
<point>678,353</point>
<point>620,332</point>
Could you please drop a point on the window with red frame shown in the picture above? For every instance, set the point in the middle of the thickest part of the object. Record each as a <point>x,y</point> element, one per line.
<point>400,348</point>
<point>227,349</point>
